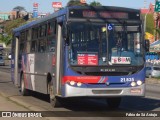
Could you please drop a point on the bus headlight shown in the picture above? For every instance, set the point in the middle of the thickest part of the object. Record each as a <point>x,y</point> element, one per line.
<point>72,83</point>
<point>139,82</point>
<point>79,84</point>
<point>133,84</point>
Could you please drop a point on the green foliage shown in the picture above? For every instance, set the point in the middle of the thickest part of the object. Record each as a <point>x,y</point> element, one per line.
<point>75,3</point>
<point>8,27</point>
<point>94,3</point>
<point>19,8</point>
<point>5,39</point>
<point>149,23</point>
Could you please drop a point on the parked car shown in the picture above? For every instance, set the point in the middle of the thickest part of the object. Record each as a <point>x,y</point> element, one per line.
<point>153,71</point>
<point>2,61</point>
<point>9,56</point>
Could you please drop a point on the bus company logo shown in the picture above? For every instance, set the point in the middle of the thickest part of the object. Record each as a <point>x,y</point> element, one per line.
<point>6,114</point>
<point>107,83</point>
<point>121,60</point>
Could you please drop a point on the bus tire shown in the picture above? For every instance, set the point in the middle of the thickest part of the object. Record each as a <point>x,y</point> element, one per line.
<point>23,90</point>
<point>114,102</point>
<point>53,99</point>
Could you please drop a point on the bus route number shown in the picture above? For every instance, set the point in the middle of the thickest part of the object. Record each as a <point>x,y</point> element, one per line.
<point>127,80</point>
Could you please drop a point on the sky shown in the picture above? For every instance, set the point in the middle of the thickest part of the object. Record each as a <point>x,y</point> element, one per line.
<point>46,5</point>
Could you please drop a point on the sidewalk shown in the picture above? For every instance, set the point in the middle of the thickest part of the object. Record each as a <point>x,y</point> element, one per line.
<point>153,81</point>
<point>8,105</point>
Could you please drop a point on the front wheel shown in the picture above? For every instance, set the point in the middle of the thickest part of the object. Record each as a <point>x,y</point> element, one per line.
<point>114,102</point>
<point>23,90</point>
<point>53,99</point>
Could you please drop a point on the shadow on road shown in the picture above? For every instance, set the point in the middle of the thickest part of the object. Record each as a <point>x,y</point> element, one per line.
<point>140,103</point>
<point>86,104</point>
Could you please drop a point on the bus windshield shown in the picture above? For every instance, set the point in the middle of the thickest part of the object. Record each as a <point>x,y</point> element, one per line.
<point>105,44</point>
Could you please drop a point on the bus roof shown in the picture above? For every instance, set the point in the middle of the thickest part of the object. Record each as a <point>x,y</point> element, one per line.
<point>64,11</point>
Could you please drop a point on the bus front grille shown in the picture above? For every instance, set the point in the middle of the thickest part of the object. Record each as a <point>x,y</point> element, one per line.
<point>106,91</point>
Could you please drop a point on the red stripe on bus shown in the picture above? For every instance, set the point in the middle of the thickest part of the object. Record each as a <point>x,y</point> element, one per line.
<point>83,79</point>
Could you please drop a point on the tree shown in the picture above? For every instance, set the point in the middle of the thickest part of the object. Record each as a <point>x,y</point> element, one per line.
<point>94,3</point>
<point>149,23</point>
<point>75,3</point>
<point>5,39</point>
<point>19,9</point>
<point>157,30</point>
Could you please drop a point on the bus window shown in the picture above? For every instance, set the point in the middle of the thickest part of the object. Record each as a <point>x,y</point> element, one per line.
<point>21,48</point>
<point>34,33</point>
<point>51,28</point>
<point>42,30</point>
<point>22,36</point>
<point>28,39</point>
<point>42,46</point>
<point>33,46</point>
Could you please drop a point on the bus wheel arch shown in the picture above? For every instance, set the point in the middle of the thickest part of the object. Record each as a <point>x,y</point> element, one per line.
<point>50,90</point>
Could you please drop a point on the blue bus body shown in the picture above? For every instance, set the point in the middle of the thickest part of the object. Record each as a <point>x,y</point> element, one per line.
<point>81,52</point>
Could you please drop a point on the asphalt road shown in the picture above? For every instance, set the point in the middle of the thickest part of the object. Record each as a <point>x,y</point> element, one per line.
<point>92,107</point>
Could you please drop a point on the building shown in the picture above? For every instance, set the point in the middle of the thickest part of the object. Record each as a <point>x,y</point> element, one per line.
<point>7,15</point>
<point>148,10</point>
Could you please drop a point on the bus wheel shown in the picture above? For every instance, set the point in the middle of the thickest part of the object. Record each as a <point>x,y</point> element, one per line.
<point>114,102</point>
<point>53,99</point>
<point>23,90</point>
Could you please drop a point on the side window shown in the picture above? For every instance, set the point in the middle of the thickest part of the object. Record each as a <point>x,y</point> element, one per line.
<point>21,49</point>
<point>42,30</point>
<point>33,46</point>
<point>22,43</point>
<point>28,39</point>
<point>51,42</point>
<point>35,33</point>
<point>42,45</point>
<point>51,28</point>
<point>22,36</point>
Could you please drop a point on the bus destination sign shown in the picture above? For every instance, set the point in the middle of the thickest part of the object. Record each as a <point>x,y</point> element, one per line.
<point>97,14</point>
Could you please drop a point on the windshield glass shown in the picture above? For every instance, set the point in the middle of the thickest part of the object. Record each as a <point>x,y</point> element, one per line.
<point>104,44</point>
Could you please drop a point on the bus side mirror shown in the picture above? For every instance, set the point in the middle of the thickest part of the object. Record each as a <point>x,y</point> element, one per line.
<point>147,45</point>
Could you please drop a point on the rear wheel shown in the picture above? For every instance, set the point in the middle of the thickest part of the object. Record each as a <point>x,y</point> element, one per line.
<point>114,102</point>
<point>23,90</point>
<point>53,99</point>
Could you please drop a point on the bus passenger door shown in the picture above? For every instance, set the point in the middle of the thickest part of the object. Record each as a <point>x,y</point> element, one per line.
<point>15,61</point>
<point>59,64</point>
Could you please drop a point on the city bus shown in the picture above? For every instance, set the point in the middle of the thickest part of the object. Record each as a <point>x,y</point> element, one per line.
<point>81,51</point>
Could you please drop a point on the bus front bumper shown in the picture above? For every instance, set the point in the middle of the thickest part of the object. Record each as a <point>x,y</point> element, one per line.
<point>75,91</point>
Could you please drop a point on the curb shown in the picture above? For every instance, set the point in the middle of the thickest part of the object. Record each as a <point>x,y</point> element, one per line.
<point>26,105</point>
